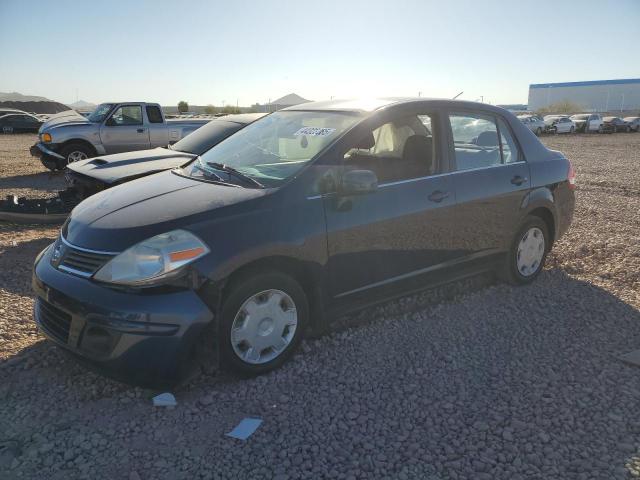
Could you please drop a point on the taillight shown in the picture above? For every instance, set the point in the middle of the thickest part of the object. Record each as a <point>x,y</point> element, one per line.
<point>571,176</point>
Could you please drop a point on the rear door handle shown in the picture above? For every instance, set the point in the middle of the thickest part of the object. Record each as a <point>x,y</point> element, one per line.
<point>518,180</point>
<point>438,196</point>
<point>141,130</point>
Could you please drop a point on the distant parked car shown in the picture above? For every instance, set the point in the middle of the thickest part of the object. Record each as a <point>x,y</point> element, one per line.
<point>633,122</point>
<point>92,175</point>
<point>559,124</point>
<point>617,124</point>
<point>534,123</point>
<point>588,122</point>
<point>8,111</point>
<point>111,128</point>
<point>19,123</point>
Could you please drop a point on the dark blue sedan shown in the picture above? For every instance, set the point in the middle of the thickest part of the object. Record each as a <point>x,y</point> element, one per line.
<point>303,215</point>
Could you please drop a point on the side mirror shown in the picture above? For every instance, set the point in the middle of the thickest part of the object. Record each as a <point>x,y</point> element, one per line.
<point>358,182</point>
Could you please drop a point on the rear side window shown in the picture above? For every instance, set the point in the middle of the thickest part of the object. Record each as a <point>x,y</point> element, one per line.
<point>475,140</point>
<point>481,141</point>
<point>153,114</point>
<point>510,150</point>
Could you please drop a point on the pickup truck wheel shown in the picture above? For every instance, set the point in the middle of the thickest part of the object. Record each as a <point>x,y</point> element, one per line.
<point>73,153</point>
<point>527,253</point>
<point>263,320</point>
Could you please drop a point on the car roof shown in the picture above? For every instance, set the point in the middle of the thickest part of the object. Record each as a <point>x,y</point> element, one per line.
<point>240,118</point>
<point>370,105</point>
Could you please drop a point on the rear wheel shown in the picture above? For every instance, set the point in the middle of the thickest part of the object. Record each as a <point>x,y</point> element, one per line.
<point>263,320</point>
<point>527,253</point>
<point>73,153</point>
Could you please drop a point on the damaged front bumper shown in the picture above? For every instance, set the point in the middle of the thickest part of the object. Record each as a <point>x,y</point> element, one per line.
<point>134,336</point>
<point>46,154</point>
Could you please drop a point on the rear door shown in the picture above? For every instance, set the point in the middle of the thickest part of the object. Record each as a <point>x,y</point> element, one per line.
<point>491,179</point>
<point>381,239</point>
<point>124,130</point>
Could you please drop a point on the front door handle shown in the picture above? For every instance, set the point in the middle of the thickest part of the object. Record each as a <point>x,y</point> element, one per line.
<point>438,196</point>
<point>518,180</point>
<point>141,130</point>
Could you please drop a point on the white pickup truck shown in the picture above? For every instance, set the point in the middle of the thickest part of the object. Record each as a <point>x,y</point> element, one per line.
<point>111,128</point>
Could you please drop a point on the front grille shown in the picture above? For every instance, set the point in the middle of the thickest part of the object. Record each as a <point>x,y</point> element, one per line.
<point>76,260</point>
<point>81,262</point>
<point>53,321</point>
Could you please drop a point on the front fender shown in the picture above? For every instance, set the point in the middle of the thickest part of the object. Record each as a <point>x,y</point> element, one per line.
<point>66,133</point>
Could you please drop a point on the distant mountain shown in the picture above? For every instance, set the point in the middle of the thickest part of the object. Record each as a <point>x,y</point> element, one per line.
<point>83,105</point>
<point>30,103</point>
<point>18,97</point>
<point>291,99</point>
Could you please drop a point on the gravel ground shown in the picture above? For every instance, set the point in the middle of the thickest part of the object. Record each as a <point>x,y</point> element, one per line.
<point>23,175</point>
<point>498,382</point>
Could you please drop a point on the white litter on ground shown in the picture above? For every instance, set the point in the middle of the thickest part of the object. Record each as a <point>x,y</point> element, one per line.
<point>245,428</point>
<point>164,400</point>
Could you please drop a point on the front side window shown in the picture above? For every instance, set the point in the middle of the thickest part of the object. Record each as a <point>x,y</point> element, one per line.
<point>398,150</point>
<point>127,115</point>
<point>275,147</point>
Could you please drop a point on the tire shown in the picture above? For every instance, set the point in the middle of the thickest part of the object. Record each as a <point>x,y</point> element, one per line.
<point>538,132</point>
<point>572,130</point>
<point>256,288</point>
<point>72,153</point>
<point>509,270</point>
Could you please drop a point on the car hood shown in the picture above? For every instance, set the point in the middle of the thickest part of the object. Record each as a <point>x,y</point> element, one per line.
<point>121,167</point>
<point>65,118</point>
<point>117,218</point>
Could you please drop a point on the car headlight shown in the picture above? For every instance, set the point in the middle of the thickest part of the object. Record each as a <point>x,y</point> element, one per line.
<point>153,259</point>
<point>46,137</point>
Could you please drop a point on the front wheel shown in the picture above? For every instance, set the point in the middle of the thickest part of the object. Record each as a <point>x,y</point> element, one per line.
<point>263,320</point>
<point>73,153</point>
<point>527,253</point>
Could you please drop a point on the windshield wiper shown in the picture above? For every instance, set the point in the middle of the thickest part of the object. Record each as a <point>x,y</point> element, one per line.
<point>236,173</point>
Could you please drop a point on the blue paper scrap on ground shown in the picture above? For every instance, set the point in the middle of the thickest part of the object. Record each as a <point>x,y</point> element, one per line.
<point>245,428</point>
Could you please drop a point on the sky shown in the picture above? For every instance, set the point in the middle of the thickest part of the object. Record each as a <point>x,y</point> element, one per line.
<point>245,52</point>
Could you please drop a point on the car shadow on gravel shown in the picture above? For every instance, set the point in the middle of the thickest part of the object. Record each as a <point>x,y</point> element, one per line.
<point>45,181</point>
<point>522,370</point>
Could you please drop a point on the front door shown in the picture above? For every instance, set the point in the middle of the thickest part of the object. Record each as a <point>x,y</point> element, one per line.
<point>402,229</point>
<point>124,130</point>
<point>491,181</point>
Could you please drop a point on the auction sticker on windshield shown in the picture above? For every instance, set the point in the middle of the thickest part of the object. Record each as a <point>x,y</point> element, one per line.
<point>314,131</point>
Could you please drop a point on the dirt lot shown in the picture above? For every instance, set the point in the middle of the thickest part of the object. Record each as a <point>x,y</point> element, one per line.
<point>499,382</point>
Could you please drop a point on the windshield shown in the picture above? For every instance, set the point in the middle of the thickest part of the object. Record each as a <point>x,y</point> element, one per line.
<point>579,117</point>
<point>100,112</point>
<point>273,148</point>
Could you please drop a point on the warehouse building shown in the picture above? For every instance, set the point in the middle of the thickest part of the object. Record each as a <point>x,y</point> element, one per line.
<point>593,96</point>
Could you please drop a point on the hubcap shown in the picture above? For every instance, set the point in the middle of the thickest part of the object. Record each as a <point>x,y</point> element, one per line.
<point>75,156</point>
<point>264,326</point>
<point>530,252</point>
